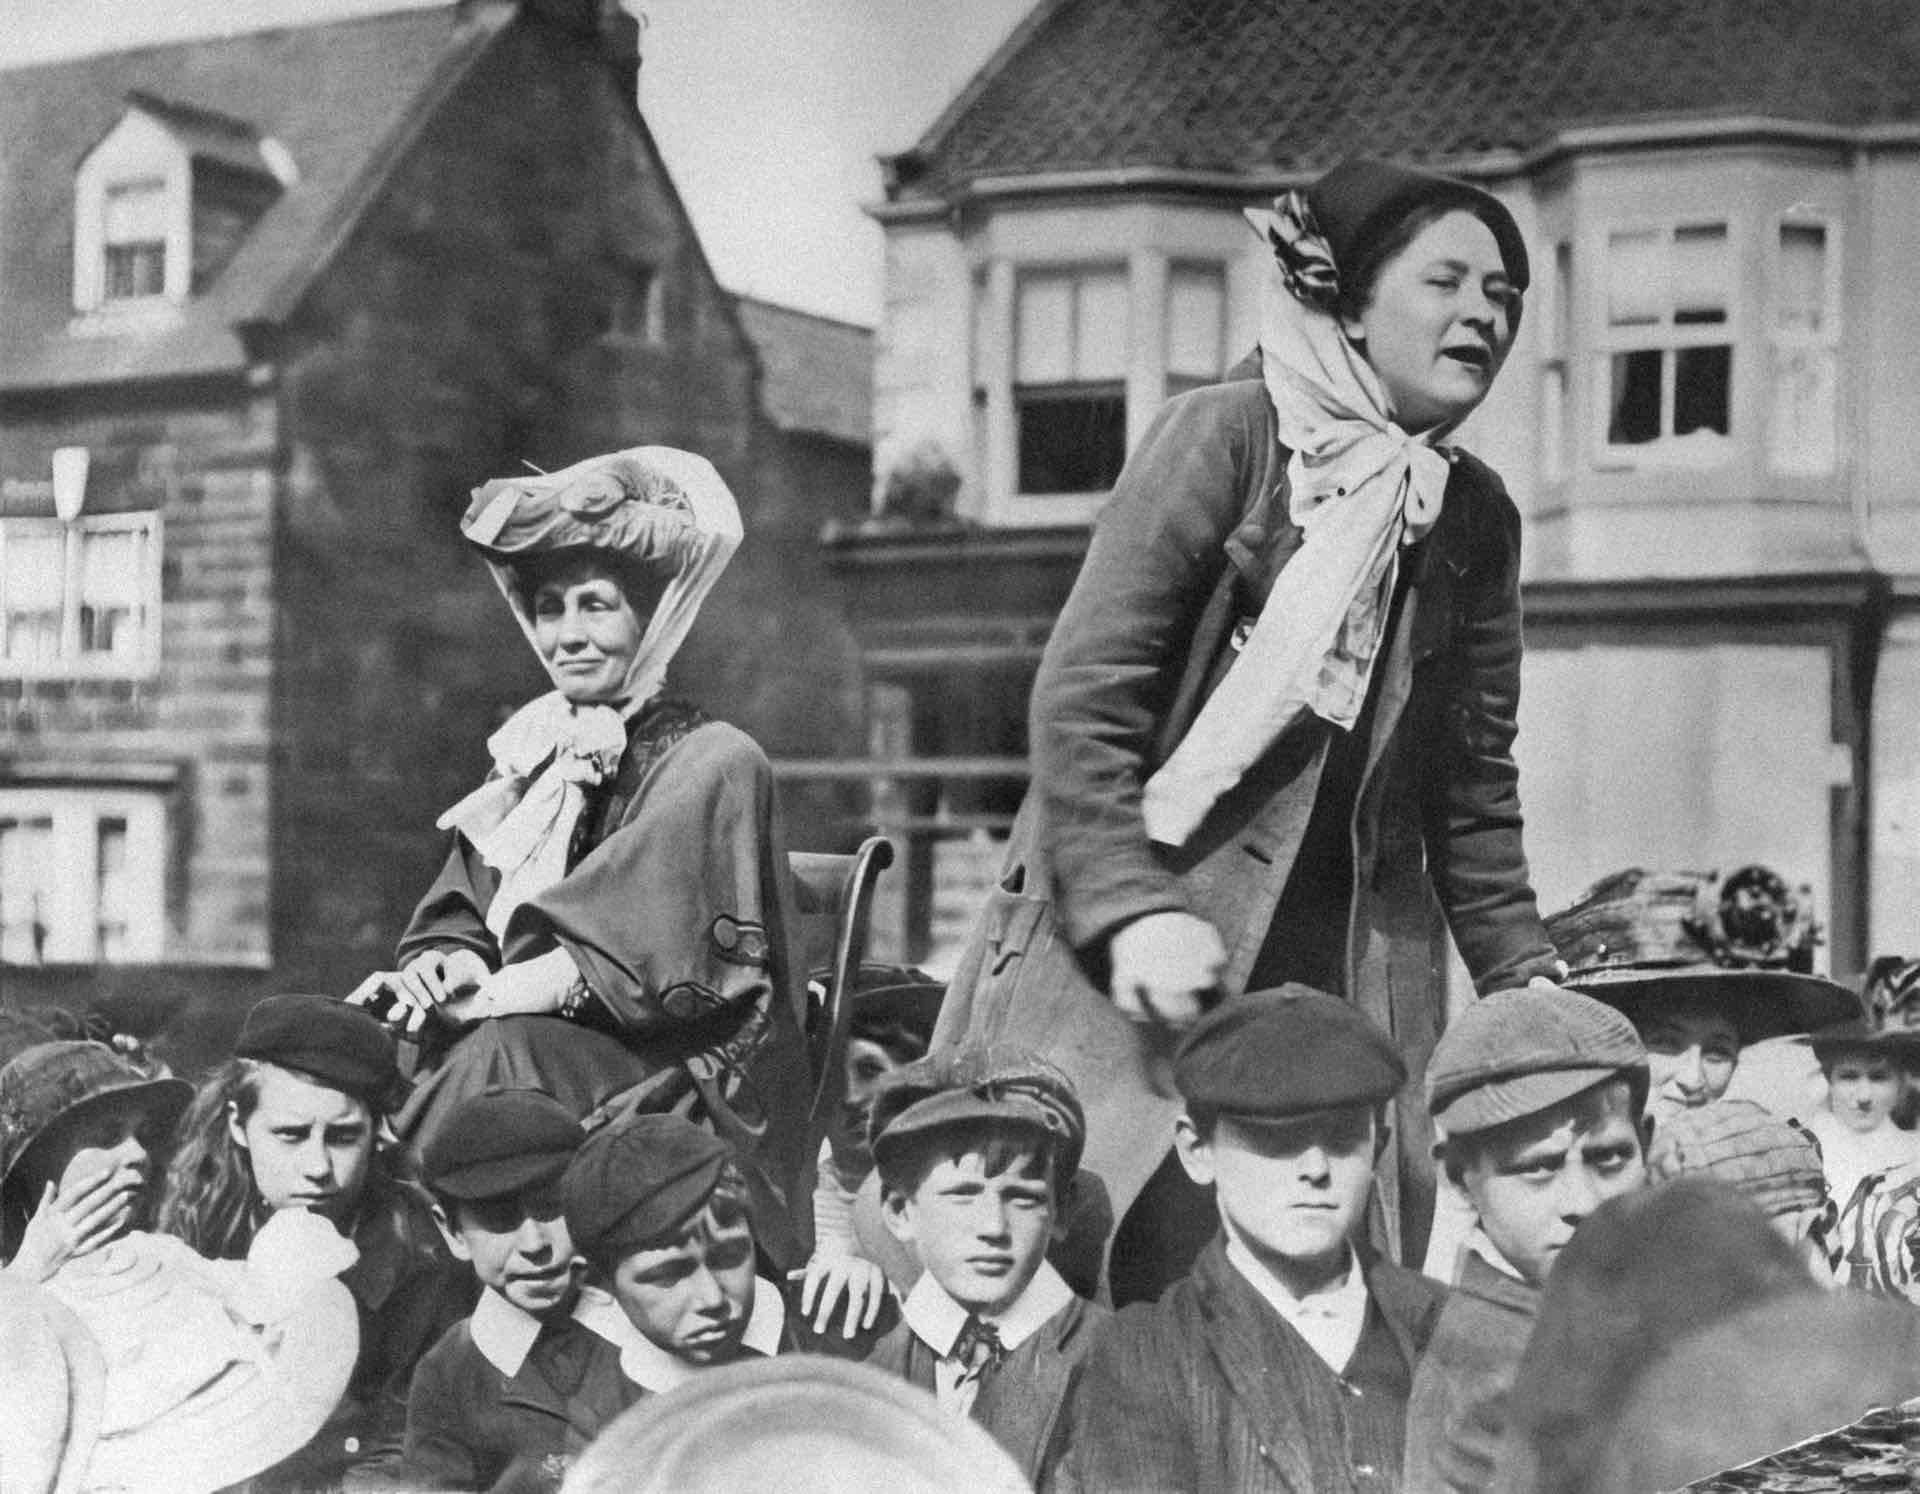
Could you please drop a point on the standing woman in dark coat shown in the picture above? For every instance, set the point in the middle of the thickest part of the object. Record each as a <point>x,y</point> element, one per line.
<point>1276,716</point>
<point>610,924</point>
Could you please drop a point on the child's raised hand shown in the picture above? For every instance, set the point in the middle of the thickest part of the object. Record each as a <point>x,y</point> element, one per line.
<point>827,1276</point>
<point>66,1226</point>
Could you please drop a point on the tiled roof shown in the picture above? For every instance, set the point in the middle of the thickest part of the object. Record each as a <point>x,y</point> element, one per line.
<point>1263,87</point>
<point>817,373</point>
<point>339,97</point>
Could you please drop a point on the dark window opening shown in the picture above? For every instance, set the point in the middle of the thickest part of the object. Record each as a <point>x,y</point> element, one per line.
<point>1702,389</point>
<point>1636,398</point>
<point>1072,439</point>
<point>135,270</point>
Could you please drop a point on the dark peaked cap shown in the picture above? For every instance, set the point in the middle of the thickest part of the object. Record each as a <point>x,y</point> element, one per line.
<point>496,1143</point>
<point>1271,1055</point>
<point>638,1179</point>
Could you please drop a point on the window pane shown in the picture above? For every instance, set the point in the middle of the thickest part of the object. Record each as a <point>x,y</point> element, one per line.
<point>135,270</point>
<point>1700,274</point>
<point>1100,326</point>
<point>111,583</point>
<point>1560,329</point>
<point>112,898</point>
<point>1071,441</point>
<point>1702,388</point>
<point>1636,279</point>
<point>26,859</point>
<point>1196,313</point>
<point>1635,398</point>
<point>1044,329</point>
<point>1553,421</point>
<point>1801,436</point>
<point>1802,291</point>
<point>33,584</point>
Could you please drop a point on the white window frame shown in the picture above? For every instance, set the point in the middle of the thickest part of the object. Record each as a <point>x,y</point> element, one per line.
<point>1783,343</point>
<point>1174,382</point>
<point>1067,506</point>
<point>73,914</point>
<point>70,662</point>
<point>138,149</point>
<point>1668,339</point>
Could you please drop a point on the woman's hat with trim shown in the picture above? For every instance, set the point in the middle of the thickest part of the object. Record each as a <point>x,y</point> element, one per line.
<point>50,1083</point>
<point>1645,941</point>
<point>342,1046</point>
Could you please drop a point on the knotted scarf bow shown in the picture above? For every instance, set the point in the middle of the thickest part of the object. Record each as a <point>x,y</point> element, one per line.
<point>521,819</point>
<point>1360,489</point>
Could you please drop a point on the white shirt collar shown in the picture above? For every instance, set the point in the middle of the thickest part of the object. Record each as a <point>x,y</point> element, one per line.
<point>502,1332</point>
<point>1479,1244</point>
<point>651,1367</point>
<point>1330,1320</point>
<point>937,1319</point>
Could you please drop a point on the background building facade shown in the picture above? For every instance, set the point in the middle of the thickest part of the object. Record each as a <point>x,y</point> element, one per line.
<point>273,305</point>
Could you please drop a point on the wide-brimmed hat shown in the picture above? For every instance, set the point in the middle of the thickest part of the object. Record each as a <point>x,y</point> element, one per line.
<point>1646,941</point>
<point>50,1082</point>
<point>212,1375</point>
<point>1859,1035</point>
<point>53,1384</point>
<point>801,1423</point>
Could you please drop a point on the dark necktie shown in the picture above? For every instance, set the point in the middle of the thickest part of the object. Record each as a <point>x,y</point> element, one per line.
<point>979,1348</point>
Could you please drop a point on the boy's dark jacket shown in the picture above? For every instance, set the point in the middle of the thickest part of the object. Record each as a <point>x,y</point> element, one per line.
<point>1022,1403</point>
<point>470,1427</point>
<point>1182,1394</point>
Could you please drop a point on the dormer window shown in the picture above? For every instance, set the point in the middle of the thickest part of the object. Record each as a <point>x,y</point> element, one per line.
<point>134,234</point>
<point>161,204</point>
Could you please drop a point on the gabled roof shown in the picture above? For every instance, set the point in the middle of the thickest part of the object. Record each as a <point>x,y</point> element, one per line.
<point>1261,88</point>
<point>816,373</point>
<point>343,99</point>
<point>206,134</point>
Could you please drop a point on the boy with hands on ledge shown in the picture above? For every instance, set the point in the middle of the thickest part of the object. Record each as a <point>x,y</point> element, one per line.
<point>1284,1361</point>
<point>975,1149</point>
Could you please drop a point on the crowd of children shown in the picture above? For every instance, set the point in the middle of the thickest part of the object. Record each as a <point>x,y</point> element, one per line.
<point>295,1303</point>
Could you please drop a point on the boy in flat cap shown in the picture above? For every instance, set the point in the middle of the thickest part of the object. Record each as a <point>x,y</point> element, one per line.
<point>1538,1095</point>
<point>659,1209</point>
<point>975,1149</point>
<point>511,1394</point>
<point>1284,1361</point>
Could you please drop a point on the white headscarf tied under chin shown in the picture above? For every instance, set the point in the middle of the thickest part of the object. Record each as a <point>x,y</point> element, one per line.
<point>1361,489</point>
<point>665,510</point>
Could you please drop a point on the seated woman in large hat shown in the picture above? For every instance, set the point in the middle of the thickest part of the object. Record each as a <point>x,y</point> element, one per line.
<point>610,921</point>
<point>1703,966</point>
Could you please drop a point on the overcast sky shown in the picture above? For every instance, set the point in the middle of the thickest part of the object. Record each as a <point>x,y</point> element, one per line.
<point>769,112</point>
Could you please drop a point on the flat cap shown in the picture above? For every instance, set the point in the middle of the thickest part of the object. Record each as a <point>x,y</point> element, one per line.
<point>1517,1053</point>
<point>1289,1051</point>
<point>500,1141</point>
<point>638,1179</point>
<point>342,1046</point>
<point>979,1083</point>
<point>1774,1162</point>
